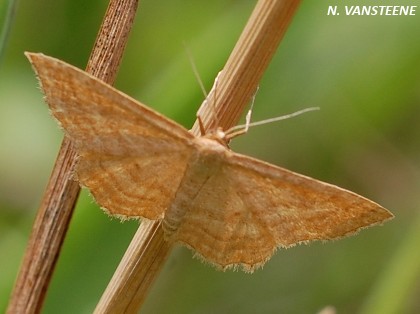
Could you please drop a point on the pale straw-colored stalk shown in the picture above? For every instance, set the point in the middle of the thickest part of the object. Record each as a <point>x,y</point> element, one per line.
<point>235,86</point>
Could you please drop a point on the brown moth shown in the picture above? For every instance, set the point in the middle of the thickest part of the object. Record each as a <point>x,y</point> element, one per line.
<point>233,210</point>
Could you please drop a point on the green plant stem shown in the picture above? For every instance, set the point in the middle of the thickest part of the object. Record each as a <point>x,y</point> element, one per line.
<point>7,26</point>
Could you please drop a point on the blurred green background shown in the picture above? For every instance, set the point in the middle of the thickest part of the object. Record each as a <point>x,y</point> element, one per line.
<point>362,71</point>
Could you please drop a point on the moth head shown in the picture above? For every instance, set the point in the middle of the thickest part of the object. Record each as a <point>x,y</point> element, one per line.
<point>219,136</point>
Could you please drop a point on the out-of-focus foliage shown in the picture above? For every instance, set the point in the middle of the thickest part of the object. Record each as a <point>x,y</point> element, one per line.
<point>364,73</point>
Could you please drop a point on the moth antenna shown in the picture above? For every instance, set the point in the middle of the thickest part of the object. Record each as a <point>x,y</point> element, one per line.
<point>195,70</point>
<point>203,90</point>
<point>243,128</point>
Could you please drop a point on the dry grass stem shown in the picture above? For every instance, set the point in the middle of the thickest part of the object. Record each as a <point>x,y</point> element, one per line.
<point>235,86</point>
<point>137,271</point>
<point>54,214</point>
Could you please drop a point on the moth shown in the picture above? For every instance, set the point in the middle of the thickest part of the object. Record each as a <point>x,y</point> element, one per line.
<point>231,209</point>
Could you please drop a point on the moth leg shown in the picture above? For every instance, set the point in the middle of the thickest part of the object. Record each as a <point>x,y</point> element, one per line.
<point>201,125</point>
<point>213,108</point>
<point>245,127</point>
